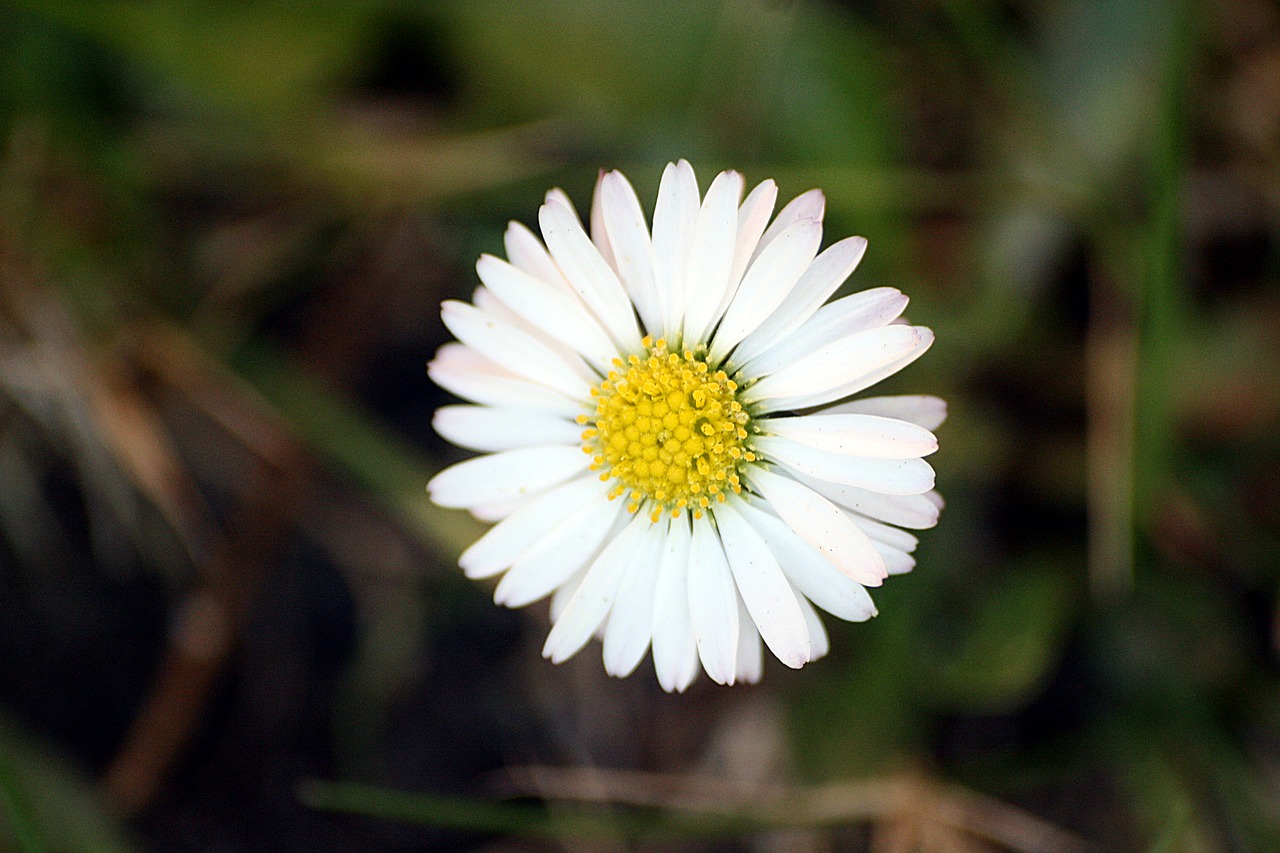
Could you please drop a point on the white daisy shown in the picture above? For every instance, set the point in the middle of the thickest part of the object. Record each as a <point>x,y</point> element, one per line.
<point>662,454</point>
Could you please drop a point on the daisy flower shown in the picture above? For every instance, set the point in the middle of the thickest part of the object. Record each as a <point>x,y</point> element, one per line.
<point>669,450</point>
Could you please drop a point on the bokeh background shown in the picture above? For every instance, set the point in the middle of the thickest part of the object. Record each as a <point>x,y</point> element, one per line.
<point>230,620</point>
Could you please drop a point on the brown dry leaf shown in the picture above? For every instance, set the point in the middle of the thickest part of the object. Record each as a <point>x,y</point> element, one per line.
<point>178,362</point>
<point>145,452</point>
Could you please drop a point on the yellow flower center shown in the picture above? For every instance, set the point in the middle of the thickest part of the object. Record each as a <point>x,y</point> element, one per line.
<point>669,430</point>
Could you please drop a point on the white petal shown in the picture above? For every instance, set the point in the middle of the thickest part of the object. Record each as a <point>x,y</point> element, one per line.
<point>505,476</point>
<point>502,545</point>
<point>673,217</point>
<point>890,476</point>
<point>711,256</point>
<point>674,644</point>
<point>753,216</point>
<point>920,409</point>
<point>490,428</point>
<point>855,435</point>
<point>807,205</point>
<point>827,272</point>
<point>836,365</point>
<point>832,321</point>
<point>599,235</point>
<point>822,524</point>
<point>749,665</point>
<point>564,593</point>
<point>492,306</point>
<point>630,627</point>
<point>491,513</point>
<point>690,664</point>
<point>853,386</point>
<point>509,347</point>
<point>485,299</point>
<point>558,314</point>
<point>561,197</point>
<point>462,371</point>
<point>526,252</point>
<point>895,561</point>
<point>633,250</point>
<point>886,535</point>
<point>818,641</point>
<point>591,602</point>
<point>568,547</point>
<point>764,588</point>
<point>810,572</point>
<point>768,281</point>
<point>591,278</point>
<point>713,603</point>
<point>915,511</point>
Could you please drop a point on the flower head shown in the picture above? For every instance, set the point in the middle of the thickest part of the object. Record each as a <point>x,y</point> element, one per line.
<point>669,447</point>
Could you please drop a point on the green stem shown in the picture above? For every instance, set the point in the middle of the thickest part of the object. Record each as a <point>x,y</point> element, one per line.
<point>1162,308</point>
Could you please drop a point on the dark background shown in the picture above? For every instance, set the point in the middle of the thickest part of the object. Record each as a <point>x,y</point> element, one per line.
<point>230,620</point>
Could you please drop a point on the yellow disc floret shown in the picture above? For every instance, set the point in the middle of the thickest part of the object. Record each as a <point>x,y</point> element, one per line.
<point>669,429</point>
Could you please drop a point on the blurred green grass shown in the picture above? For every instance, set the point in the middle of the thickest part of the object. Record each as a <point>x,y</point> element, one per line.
<point>1068,191</point>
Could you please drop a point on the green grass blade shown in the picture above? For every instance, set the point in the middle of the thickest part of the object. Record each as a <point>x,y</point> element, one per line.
<point>18,814</point>
<point>518,819</point>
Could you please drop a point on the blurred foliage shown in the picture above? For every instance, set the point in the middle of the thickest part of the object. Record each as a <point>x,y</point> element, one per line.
<point>225,229</point>
<point>47,804</point>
